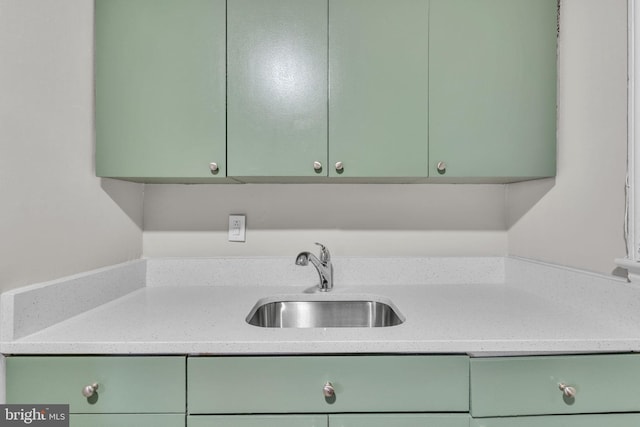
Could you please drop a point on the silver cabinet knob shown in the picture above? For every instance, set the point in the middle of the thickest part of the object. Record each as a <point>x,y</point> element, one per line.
<point>90,390</point>
<point>567,390</point>
<point>317,166</point>
<point>339,166</point>
<point>441,167</point>
<point>328,390</point>
<point>213,166</point>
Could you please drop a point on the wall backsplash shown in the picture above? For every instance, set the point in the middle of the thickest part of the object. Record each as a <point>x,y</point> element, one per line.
<point>353,219</point>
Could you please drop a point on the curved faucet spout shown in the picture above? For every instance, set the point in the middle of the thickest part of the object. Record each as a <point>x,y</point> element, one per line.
<point>322,265</point>
<point>303,258</point>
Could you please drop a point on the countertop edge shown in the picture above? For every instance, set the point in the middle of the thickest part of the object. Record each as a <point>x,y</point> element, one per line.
<point>585,290</point>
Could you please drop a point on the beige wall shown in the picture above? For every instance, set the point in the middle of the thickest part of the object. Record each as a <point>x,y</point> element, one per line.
<point>578,219</point>
<point>56,217</point>
<point>366,219</point>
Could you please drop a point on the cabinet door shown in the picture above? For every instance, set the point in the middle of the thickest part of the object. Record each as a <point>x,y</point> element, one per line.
<point>160,88</point>
<point>125,385</point>
<point>277,87</point>
<point>257,421</point>
<point>602,383</point>
<point>127,420</point>
<point>378,73</point>
<point>608,420</point>
<point>492,83</point>
<point>399,420</point>
<point>295,384</point>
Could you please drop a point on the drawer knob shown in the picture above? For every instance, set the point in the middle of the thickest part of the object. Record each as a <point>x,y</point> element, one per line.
<point>214,167</point>
<point>328,390</point>
<point>339,166</point>
<point>317,166</point>
<point>90,390</point>
<point>441,167</point>
<point>568,391</point>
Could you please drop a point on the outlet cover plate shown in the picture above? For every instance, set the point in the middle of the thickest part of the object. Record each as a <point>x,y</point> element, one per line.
<point>237,228</point>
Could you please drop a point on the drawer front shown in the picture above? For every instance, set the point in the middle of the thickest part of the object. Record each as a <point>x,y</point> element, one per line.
<point>295,384</point>
<point>125,384</point>
<point>531,385</point>
<point>127,420</point>
<point>346,420</point>
<point>257,421</point>
<point>596,420</point>
<point>399,420</point>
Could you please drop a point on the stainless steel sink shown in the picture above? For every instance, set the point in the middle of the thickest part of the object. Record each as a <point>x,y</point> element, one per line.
<point>324,314</point>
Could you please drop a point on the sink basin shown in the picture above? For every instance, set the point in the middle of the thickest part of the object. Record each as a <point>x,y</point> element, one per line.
<point>324,314</point>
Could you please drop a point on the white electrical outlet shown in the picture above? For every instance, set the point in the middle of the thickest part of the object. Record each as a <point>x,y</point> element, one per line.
<point>237,228</point>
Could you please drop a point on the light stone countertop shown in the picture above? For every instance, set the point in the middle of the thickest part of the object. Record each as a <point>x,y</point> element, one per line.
<point>531,309</point>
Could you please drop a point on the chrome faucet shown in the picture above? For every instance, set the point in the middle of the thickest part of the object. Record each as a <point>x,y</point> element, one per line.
<point>323,265</point>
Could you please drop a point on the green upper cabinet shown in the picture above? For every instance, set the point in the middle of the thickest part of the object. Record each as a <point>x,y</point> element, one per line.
<point>378,88</point>
<point>277,88</point>
<point>492,88</point>
<point>296,90</point>
<point>160,89</point>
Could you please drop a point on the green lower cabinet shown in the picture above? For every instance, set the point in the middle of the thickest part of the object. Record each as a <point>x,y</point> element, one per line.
<point>399,420</point>
<point>295,384</point>
<point>599,384</point>
<point>121,384</point>
<point>556,391</point>
<point>257,421</point>
<point>127,420</point>
<point>343,420</point>
<point>604,420</point>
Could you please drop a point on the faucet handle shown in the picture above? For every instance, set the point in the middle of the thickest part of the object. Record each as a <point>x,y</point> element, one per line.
<point>325,255</point>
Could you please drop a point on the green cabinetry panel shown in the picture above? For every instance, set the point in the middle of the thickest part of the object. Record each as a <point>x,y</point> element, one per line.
<point>378,91</point>
<point>160,88</point>
<point>492,88</point>
<point>127,420</point>
<point>285,89</point>
<point>606,420</point>
<point>342,420</point>
<point>530,385</point>
<point>295,384</point>
<point>125,384</point>
<point>399,420</point>
<point>277,87</point>
<point>257,421</point>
